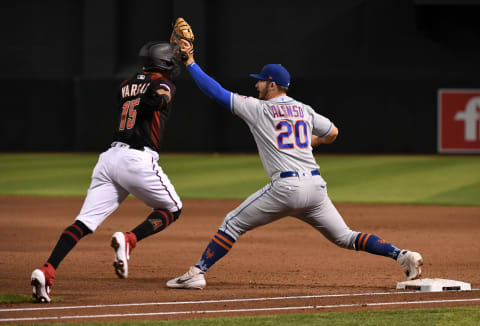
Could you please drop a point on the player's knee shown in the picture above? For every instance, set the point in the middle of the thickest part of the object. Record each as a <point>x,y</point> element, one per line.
<point>341,243</point>
<point>75,232</point>
<point>176,214</point>
<point>346,240</point>
<point>83,227</point>
<point>162,218</point>
<point>233,234</point>
<point>233,228</point>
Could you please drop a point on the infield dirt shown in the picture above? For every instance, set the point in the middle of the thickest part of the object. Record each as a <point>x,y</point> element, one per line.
<point>285,258</point>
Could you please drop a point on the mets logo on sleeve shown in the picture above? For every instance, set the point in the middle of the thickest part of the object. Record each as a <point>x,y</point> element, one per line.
<point>458,121</point>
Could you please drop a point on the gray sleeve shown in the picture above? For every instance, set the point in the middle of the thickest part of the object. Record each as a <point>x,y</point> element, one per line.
<point>247,108</point>
<point>321,125</point>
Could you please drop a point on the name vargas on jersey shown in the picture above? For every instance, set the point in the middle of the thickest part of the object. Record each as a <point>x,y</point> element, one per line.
<point>134,89</point>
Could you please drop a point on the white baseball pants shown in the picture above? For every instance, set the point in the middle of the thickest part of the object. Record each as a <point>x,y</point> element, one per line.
<point>120,171</point>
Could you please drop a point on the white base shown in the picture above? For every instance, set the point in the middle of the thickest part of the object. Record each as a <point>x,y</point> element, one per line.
<point>434,285</point>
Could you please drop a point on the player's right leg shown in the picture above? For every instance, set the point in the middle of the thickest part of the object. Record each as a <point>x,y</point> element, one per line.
<point>141,175</point>
<point>102,199</point>
<point>260,208</point>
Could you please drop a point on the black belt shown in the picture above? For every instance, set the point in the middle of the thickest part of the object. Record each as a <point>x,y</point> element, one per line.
<point>288,174</point>
<point>120,144</point>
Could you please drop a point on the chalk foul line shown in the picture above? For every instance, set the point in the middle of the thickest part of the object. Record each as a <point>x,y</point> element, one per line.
<point>190,312</point>
<point>217,301</point>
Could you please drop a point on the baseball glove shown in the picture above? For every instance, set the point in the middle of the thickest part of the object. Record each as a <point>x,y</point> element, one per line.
<point>182,31</point>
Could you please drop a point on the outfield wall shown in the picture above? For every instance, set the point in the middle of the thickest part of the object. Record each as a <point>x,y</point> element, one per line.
<point>373,66</point>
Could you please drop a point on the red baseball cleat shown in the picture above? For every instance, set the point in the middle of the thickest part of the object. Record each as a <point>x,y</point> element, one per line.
<point>42,281</point>
<point>122,244</point>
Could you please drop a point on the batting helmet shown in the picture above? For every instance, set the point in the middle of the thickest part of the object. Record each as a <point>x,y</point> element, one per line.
<point>155,56</point>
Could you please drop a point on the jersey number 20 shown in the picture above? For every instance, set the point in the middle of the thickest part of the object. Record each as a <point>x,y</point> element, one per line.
<point>129,114</point>
<point>287,128</point>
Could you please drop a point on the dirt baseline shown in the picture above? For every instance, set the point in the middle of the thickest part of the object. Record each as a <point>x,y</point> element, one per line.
<point>288,260</point>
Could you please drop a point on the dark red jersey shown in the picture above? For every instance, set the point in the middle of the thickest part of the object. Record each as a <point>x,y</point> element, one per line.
<point>141,125</point>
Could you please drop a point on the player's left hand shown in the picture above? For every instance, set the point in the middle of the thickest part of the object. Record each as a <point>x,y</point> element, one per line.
<point>186,50</point>
<point>182,35</point>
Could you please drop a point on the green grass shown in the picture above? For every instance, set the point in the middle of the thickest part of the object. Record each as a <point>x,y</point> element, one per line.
<point>422,179</point>
<point>46,174</point>
<point>439,180</point>
<point>9,298</point>
<point>461,316</point>
<point>411,179</point>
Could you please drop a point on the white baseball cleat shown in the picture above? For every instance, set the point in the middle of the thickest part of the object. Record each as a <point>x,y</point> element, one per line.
<point>411,263</point>
<point>193,279</point>
<point>121,247</point>
<point>42,281</point>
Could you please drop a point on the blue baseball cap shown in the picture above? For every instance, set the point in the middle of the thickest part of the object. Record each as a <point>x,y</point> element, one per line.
<point>274,72</point>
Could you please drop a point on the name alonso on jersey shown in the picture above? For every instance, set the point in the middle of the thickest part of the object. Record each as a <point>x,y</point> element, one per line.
<point>291,111</point>
<point>134,89</point>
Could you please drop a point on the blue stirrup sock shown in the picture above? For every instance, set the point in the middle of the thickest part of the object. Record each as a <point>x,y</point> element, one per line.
<point>374,245</point>
<point>218,247</point>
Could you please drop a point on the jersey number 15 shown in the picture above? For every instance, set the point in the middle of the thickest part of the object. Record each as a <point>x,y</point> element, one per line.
<point>129,114</point>
<point>287,128</point>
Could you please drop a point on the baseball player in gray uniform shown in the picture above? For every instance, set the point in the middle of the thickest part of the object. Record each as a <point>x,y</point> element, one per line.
<point>284,130</point>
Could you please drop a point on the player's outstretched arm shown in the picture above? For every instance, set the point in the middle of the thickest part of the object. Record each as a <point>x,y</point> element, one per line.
<point>207,84</point>
<point>210,86</point>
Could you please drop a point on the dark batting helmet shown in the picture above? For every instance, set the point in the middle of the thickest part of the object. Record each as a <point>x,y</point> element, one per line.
<point>159,56</point>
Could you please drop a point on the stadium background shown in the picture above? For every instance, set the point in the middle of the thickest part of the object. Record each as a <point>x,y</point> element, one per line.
<point>373,66</point>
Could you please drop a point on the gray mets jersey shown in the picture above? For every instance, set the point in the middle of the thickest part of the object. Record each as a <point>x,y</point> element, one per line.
<point>282,128</point>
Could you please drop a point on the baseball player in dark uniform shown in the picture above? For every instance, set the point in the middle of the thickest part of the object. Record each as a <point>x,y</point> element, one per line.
<point>285,130</point>
<point>128,166</point>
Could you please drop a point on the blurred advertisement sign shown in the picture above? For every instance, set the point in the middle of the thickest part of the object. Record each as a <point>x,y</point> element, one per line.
<point>459,121</point>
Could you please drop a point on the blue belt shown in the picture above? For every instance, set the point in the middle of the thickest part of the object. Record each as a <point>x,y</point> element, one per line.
<point>289,174</point>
